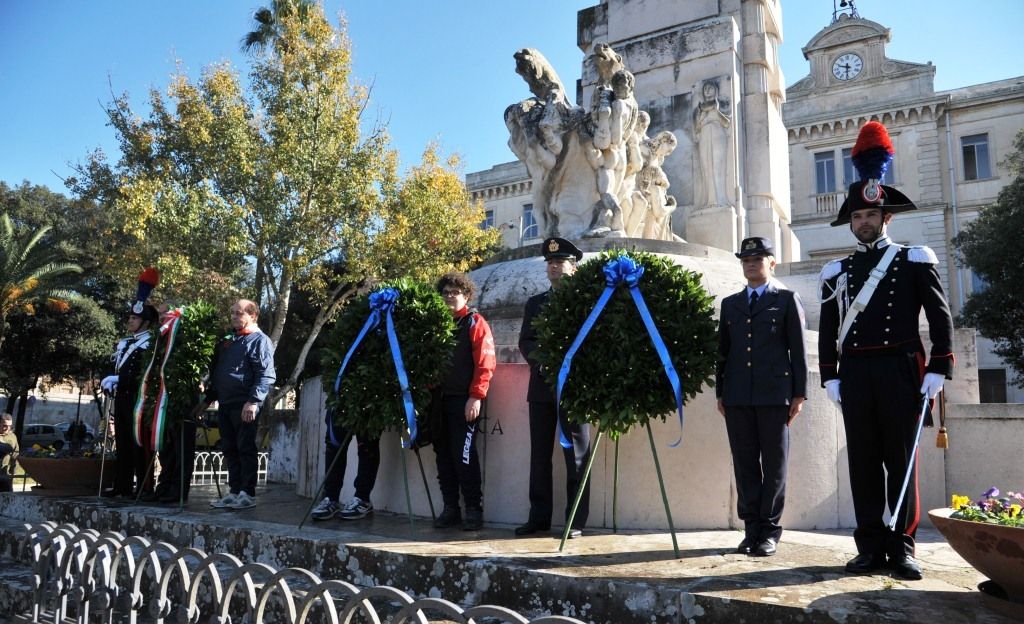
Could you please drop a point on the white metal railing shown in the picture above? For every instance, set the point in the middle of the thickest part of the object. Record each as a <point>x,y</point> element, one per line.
<point>209,467</point>
<point>82,575</point>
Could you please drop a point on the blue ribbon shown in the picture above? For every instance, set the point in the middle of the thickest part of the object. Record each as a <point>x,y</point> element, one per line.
<point>622,270</point>
<point>382,302</point>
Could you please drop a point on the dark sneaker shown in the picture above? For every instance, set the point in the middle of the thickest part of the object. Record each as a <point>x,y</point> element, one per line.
<point>325,510</point>
<point>474,520</point>
<point>449,517</point>
<point>356,508</point>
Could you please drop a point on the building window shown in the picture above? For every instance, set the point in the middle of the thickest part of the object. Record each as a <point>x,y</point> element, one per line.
<point>975,153</point>
<point>530,227</point>
<point>825,172</point>
<point>850,173</point>
<point>488,220</point>
<point>992,385</point>
<point>978,283</point>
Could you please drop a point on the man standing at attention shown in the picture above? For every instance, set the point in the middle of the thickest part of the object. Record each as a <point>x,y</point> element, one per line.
<point>241,376</point>
<point>561,257</point>
<point>761,385</point>
<point>872,359</point>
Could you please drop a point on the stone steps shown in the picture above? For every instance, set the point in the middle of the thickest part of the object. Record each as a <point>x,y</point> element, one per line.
<point>602,577</point>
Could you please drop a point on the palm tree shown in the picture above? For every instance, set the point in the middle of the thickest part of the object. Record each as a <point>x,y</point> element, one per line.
<point>268,23</point>
<point>30,272</point>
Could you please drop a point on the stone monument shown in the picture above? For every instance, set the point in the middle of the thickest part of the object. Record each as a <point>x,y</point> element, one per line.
<point>595,172</point>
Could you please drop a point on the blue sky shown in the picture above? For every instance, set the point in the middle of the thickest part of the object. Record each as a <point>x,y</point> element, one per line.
<point>440,70</point>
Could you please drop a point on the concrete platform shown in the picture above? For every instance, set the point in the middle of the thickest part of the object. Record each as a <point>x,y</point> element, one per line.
<point>603,577</point>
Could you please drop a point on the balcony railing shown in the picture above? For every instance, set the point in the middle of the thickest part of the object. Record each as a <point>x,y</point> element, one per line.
<point>819,206</point>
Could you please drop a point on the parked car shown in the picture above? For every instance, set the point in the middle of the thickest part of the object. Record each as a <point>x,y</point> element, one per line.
<point>42,434</point>
<point>90,433</point>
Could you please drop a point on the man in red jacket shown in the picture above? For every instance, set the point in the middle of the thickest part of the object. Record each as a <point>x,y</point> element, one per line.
<point>462,394</point>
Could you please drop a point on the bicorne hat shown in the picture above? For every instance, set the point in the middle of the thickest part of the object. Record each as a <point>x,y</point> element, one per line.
<point>871,155</point>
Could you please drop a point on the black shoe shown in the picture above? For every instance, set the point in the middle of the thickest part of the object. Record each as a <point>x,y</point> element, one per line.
<point>449,517</point>
<point>865,563</point>
<point>532,527</point>
<point>474,520</point>
<point>575,533</point>
<point>151,497</point>
<point>111,493</point>
<point>746,546</point>
<point>766,548</point>
<point>907,568</point>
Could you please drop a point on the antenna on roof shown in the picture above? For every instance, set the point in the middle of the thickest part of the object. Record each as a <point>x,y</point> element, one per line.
<point>843,7</point>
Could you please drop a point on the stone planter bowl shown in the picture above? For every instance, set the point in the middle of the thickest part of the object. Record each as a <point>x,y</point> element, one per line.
<point>995,551</point>
<point>68,473</point>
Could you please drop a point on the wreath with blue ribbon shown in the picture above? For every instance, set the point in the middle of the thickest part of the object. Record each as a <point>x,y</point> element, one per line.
<point>383,355</point>
<point>629,337</point>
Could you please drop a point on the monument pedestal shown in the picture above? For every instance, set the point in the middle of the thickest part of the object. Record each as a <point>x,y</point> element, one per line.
<point>714,226</point>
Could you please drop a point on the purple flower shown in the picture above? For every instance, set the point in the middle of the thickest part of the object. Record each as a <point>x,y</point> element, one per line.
<point>992,492</point>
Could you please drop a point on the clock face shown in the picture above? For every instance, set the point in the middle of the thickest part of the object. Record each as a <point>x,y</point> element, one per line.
<point>847,66</point>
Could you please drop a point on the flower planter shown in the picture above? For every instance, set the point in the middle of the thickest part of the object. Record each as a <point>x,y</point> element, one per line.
<point>68,473</point>
<point>994,550</point>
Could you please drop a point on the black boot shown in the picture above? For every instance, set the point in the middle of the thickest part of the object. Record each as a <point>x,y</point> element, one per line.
<point>474,519</point>
<point>450,516</point>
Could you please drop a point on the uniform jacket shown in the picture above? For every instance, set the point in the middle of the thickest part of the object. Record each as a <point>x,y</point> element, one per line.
<point>473,360</point>
<point>538,391</point>
<point>762,359</point>
<point>889,324</point>
<point>129,364</point>
<point>242,370</point>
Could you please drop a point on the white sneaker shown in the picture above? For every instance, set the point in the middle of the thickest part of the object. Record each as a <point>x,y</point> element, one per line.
<point>243,501</point>
<point>356,508</point>
<point>224,503</point>
<point>325,510</point>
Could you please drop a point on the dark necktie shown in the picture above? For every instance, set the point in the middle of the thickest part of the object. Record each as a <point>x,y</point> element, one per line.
<point>753,299</point>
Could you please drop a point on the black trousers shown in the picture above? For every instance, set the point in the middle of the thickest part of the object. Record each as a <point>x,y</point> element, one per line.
<point>458,466</point>
<point>238,442</point>
<point>133,461</point>
<point>542,443</point>
<point>175,456</point>
<point>881,401</point>
<point>368,451</point>
<point>759,441</point>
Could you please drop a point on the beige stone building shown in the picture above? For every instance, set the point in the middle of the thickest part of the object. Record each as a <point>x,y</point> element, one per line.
<point>949,144</point>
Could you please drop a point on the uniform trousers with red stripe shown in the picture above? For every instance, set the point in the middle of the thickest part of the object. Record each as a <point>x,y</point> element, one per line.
<point>881,401</point>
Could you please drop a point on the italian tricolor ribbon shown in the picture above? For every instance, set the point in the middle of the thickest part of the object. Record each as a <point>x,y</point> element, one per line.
<point>169,330</point>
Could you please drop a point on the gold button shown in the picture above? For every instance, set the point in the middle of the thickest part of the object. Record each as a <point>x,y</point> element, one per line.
<point>895,268</point>
<point>750,335</point>
<point>892,292</point>
<point>855,331</point>
<point>888,318</point>
<point>890,304</point>
<point>886,329</point>
<point>748,348</point>
<point>894,279</point>
<point>855,344</point>
<point>885,342</point>
<point>786,373</point>
<point>748,320</point>
<point>748,363</point>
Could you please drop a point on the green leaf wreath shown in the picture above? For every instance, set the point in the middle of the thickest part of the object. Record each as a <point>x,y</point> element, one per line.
<point>617,380</point>
<point>369,400</point>
<point>199,328</point>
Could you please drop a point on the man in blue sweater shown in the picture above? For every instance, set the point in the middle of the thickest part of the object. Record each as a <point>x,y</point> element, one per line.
<point>241,376</point>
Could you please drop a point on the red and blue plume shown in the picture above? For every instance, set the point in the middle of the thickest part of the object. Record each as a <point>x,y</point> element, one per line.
<point>873,151</point>
<point>148,280</point>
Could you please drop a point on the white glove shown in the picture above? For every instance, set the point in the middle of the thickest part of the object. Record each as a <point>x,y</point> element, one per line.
<point>109,383</point>
<point>832,390</point>
<point>932,384</point>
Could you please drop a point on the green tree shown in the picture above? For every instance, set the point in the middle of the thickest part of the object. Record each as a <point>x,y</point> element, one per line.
<point>267,29</point>
<point>56,342</point>
<point>32,270</point>
<point>280,180</point>
<point>982,246</point>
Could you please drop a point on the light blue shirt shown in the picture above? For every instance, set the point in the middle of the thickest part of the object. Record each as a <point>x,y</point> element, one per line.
<point>759,290</point>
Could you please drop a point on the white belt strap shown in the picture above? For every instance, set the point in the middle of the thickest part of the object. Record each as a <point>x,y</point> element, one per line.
<point>865,294</point>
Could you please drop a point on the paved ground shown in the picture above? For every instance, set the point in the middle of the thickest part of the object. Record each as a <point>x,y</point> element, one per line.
<point>629,576</point>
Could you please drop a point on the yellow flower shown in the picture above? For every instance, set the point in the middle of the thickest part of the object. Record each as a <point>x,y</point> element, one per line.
<point>1014,510</point>
<point>959,501</point>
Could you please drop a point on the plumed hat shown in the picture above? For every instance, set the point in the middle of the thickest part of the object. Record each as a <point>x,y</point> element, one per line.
<point>871,155</point>
<point>148,280</point>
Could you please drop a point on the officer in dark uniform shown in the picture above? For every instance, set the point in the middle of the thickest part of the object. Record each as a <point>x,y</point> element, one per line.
<point>761,385</point>
<point>875,368</point>
<point>561,257</point>
<point>131,356</point>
